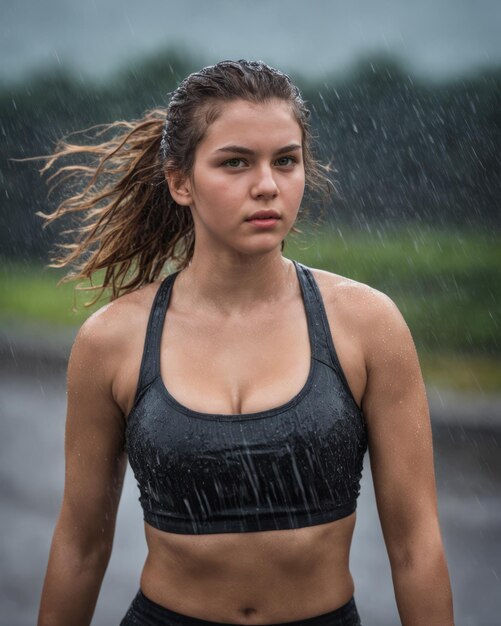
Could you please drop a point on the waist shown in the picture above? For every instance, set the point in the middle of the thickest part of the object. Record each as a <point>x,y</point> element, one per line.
<point>220,575</point>
<point>144,610</point>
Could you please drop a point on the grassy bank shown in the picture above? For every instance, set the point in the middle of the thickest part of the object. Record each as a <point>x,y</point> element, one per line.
<point>447,285</point>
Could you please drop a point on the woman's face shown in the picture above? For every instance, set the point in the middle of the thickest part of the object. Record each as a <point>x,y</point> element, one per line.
<point>249,160</point>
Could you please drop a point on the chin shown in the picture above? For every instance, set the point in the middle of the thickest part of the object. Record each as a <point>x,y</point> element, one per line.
<point>262,247</point>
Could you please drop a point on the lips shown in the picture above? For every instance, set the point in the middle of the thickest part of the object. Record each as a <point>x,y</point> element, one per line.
<point>263,215</point>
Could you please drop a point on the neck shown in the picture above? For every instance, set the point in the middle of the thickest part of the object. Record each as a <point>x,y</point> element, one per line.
<point>236,286</point>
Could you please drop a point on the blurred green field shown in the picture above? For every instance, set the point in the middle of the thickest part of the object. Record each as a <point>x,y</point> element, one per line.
<point>446,284</point>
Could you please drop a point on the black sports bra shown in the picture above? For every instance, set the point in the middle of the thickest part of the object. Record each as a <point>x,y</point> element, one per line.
<point>297,464</point>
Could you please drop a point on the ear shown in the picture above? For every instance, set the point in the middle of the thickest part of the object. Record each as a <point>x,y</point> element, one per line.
<point>179,187</point>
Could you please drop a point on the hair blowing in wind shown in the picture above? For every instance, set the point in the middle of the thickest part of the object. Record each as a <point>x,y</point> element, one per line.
<point>127,221</point>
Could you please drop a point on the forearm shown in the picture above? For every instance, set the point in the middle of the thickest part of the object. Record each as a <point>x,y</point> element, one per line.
<point>71,586</point>
<point>422,589</point>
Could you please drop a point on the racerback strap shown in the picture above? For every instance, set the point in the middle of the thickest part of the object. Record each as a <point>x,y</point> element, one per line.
<point>323,346</point>
<point>151,353</point>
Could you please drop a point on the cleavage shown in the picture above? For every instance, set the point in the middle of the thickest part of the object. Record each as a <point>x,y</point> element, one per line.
<point>235,370</point>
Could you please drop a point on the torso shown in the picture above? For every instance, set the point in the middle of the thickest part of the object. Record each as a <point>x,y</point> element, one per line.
<point>253,577</point>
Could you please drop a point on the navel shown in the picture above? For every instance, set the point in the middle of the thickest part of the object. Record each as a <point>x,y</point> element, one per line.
<point>248,611</point>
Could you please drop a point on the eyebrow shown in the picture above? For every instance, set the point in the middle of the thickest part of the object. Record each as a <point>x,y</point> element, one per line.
<point>243,150</point>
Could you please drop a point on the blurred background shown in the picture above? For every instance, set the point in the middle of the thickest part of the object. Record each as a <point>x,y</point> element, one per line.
<point>406,106</point>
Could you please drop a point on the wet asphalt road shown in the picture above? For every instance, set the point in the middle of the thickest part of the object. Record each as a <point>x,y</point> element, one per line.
<point>32,409</point>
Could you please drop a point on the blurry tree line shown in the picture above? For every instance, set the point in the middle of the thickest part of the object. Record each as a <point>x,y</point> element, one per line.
<point>403,150</point>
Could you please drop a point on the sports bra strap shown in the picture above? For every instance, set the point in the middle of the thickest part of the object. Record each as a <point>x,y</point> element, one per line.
<point>323,347</point>
<point>150,362</point>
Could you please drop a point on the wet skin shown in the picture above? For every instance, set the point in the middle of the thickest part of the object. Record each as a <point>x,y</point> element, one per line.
<point>259,577</point>
<point>254,577</point>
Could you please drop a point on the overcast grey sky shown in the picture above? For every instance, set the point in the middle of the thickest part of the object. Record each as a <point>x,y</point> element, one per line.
<point>435,37</point>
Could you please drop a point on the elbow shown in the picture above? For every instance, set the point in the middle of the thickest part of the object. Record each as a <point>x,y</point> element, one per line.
<point>425,550</point>
<point>84,552</point>
<point>95,560</point>
<point>83,561</point>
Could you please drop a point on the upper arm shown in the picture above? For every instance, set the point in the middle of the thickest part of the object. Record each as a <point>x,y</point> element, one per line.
<point>95,459</point>
<point>400,439</point>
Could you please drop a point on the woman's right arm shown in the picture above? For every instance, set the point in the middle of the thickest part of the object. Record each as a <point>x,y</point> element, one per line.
<point>95,464</point>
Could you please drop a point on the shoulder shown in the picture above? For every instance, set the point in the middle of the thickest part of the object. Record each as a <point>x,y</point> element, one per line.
<point>354,297</point>
<point>370,315</point>
<point>106,335</point>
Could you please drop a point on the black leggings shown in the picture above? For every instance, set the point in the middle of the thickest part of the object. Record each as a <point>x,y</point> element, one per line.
<point>145,612</point>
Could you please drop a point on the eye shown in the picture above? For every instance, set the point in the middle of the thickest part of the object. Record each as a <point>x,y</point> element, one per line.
<point>292,160</point>
<point>233,163</point>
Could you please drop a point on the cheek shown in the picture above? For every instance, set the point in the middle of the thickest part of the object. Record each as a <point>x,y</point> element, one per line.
<point>217,199</point>
<point>220,194</point>
<point>225,190</point>
<point>297,188</point>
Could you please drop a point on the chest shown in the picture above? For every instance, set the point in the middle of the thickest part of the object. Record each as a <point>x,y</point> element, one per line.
<point>239,366</point>
<point>240,422</point>
<point>219,471</point>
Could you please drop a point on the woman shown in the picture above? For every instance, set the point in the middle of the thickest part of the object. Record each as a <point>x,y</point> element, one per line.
<point>244,387</point>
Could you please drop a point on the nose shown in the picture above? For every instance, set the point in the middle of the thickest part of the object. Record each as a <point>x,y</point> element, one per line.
<point>264,186</point>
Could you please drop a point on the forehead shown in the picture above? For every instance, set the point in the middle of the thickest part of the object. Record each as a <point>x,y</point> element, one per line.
<point>249,122</point>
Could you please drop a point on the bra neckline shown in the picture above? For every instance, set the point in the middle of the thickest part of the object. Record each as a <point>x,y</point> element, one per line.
<point>237,416</point>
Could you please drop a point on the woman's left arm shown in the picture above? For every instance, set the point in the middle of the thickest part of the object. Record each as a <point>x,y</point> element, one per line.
<point>401,456</point>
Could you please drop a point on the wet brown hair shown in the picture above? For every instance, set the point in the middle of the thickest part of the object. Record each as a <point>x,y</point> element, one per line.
<point>130,226</point>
